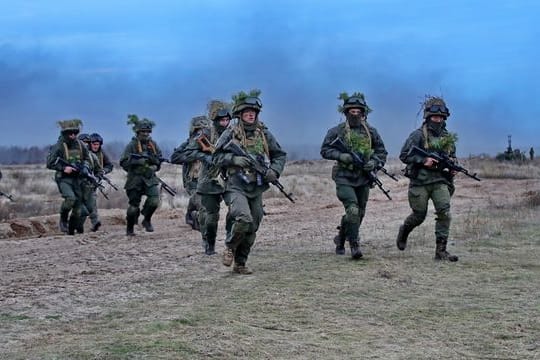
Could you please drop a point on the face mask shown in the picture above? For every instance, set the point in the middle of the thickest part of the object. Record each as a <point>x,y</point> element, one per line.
<point>143,137</point>
<point>354,120</point>
<point>436,127</point>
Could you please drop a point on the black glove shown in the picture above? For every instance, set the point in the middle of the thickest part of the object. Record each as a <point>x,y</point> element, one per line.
<point>271,175</point>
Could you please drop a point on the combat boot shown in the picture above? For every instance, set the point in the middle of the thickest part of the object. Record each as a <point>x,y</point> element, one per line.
<point>442,254</point>
<point>72,225</point>
<point>403,234</point>
<point>130,231</point>
<point>339,240</point>
<point>228,257</point>
<point>209,247</point>
<point>147,224</point>
<point>241,269</point>
<point>63,223</point>
<point>96,226</point>
<point>355,249</point>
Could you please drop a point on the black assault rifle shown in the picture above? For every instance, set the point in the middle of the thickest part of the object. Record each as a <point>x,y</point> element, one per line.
<point>170,190</point>
<point>10,197</point>
<point>108,181</point>
<point>358,161</point>
<point>444,163</point>
<point>254,164</point>
<point>83,170</point>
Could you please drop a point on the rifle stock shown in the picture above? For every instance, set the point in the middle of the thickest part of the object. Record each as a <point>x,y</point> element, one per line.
<point>257,166</point>
<point>444,162</point>
<point>10,197</point>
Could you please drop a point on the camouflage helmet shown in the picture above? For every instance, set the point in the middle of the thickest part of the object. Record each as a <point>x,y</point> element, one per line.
<point>73,125</point>
<point>355,101</point>
<point>242,101</point>
<point>218,109</point>
<point>435,106</point>
<point>84,137</point>
<point>197,123</point>
<point>140,124</point>
<point>95,137</point>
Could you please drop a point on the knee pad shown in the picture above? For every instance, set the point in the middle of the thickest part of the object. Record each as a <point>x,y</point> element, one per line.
<point>132,211</point>
<point>152,202</point>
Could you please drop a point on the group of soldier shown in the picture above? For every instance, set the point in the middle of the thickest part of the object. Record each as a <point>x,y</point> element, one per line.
<point>232,157</point>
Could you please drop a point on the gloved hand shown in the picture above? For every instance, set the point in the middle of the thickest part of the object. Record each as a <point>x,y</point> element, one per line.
<point>345,158</point>
<point>271,175</point>
<point>240,161</point>
<point>154,160</point>
<point>370,165</point>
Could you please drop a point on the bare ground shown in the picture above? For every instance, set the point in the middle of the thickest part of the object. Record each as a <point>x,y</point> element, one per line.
<point>105,296</point>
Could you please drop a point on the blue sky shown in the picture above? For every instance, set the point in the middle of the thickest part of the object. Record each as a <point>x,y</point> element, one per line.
<point>100,60</point>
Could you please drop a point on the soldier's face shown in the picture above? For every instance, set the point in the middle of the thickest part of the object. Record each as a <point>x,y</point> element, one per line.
<point>437,119</point>
<point>249,116</point>
<point>95,146</point>
<point>224,121</point>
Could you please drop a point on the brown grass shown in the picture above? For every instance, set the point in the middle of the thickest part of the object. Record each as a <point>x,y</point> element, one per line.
<point>103,296</point>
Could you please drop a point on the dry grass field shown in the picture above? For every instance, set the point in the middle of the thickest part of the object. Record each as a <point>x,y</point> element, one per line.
<point>157,296</point>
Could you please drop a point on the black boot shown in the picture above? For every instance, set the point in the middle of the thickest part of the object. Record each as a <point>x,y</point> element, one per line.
<point>403,234</point>
<point>209,247</point>
<point>355,249</point>
<point>442,254</point>
<point>72,225</point>
<point>96,226</point>
<point>147,224</point>
<point>63,224</point>
<point>130,227</point>
<point>339,240</point>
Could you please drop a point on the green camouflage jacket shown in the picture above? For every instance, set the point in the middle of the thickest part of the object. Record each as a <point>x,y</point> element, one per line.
<point>141,169</point>
<point>74,152</point>
<point>346,174</point>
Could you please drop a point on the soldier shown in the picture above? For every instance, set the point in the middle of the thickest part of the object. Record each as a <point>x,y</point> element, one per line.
<point>531,153</point>
<point>88,188</point>
<point>141,159</point>
<point>191,164</point>
<point>426,180</point>
<point>70,158</point>
<point>352,182</point>
<point>244,187</point>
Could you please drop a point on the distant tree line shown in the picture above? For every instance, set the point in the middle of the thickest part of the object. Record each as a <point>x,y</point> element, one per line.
<point>19,155</point>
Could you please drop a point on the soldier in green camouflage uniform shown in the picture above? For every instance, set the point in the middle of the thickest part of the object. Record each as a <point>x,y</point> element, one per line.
<point>210,185</point>
<point>352,183</point>
<point>105,165</point>
<point>68,179</point>
<point>191,162</point>
<point>88,188</point>
<point>141,159</point>
<point>426,181</point>
<point>244,187</point>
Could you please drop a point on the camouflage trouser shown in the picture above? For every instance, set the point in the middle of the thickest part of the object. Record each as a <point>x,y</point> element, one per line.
<point>419,196</point>
<point>150,204</point>
<point>89,204</point>
<point>71,191</point>
<point>244,216</point>
<point>354,199</point>
<point>209,216</point>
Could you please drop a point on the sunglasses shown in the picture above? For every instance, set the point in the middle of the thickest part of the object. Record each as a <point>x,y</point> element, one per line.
<point>438,109</point>
<point>222,113</point>
<point>72,132</point>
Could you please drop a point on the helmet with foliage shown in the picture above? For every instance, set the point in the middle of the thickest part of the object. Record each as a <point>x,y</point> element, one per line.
<point>242,101</point>
<point>434,105</point>
<point>354,101</point>
<point>95,137</point>
<point>140,124</point>
<point>84,137</point>
<point>218,109</point>
<point>73,125</point>
<point>198,123</point>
